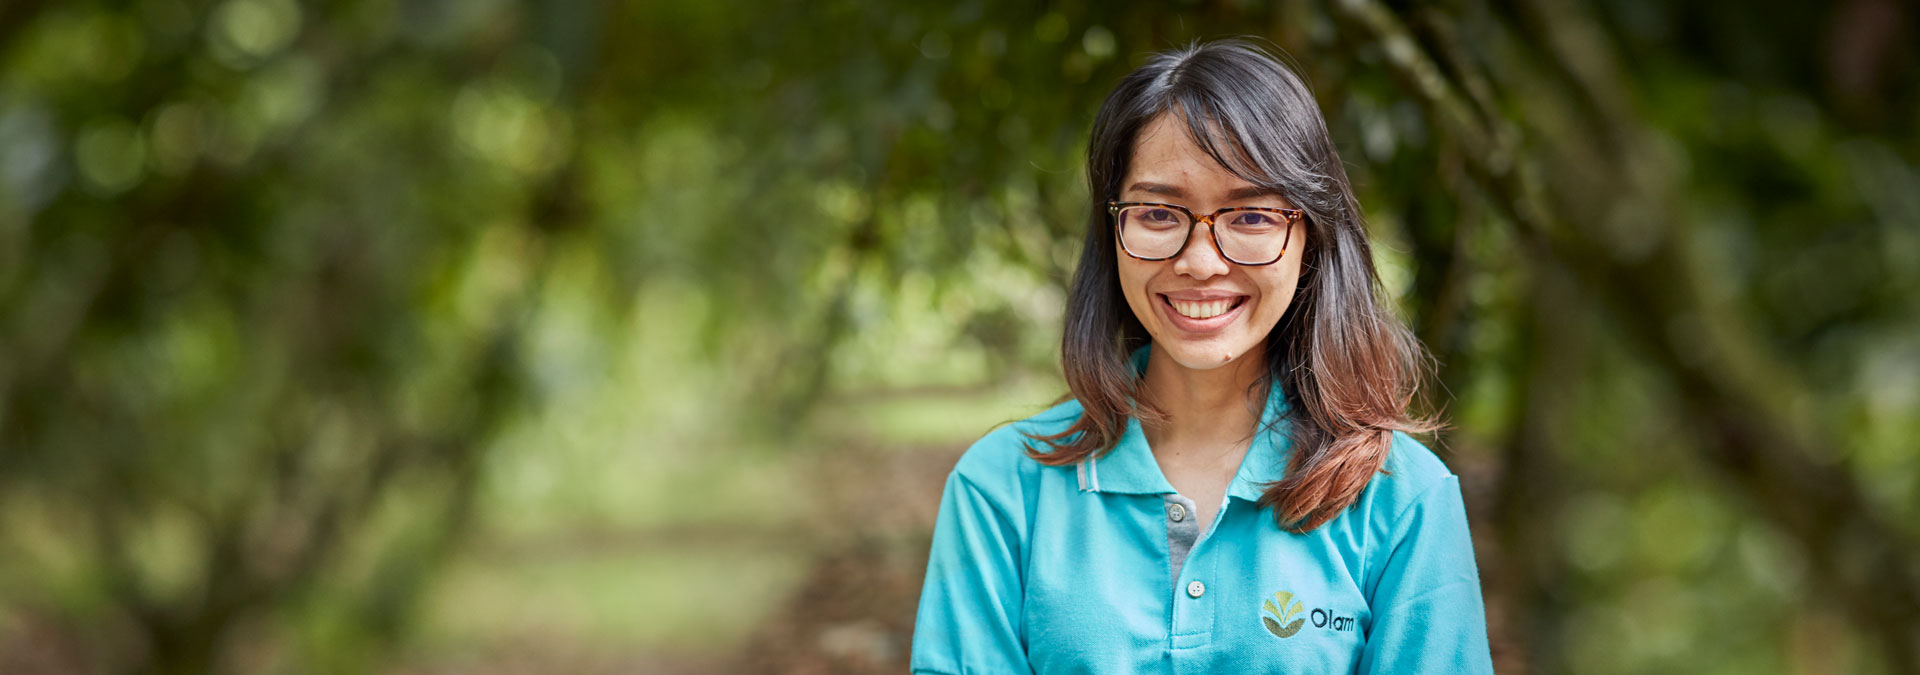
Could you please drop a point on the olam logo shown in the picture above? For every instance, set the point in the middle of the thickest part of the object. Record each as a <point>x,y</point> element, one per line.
<point>1284,620</point>
<point>1277,616</point>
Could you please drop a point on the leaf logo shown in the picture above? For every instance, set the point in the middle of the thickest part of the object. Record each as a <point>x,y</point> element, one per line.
<point>1276,619</point>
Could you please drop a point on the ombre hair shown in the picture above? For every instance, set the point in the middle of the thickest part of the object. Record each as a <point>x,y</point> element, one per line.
<point>1347,364</point>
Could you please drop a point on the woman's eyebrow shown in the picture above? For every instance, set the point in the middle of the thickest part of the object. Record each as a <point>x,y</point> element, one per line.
<point>1157,188</point>
<point>1251,191</point>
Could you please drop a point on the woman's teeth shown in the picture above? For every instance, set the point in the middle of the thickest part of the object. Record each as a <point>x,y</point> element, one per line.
<point>1200,310</point>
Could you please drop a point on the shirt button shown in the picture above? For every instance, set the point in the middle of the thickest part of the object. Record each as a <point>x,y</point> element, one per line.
<point>1177,512</point>
<point>1196,589</point>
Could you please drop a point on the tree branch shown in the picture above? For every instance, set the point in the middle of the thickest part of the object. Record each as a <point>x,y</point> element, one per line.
<point>1748,438</point>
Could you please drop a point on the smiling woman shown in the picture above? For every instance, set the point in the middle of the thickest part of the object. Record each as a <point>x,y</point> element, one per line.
<point>1230,485</point>
<point>1181,303</point>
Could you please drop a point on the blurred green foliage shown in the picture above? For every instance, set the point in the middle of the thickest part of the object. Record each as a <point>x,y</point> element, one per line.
<point>374,335</point>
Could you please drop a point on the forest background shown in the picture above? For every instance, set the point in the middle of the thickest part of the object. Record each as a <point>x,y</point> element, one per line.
<point>481,336</point>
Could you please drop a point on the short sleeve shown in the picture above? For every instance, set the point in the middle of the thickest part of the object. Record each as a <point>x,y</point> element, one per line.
<point>1428,616</point>
<point>970,608</point>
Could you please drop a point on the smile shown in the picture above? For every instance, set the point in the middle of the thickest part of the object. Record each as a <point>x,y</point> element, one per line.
<point>1202,315</point>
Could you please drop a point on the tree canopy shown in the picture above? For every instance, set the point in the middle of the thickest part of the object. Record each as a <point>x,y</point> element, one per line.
<point>281,282</point>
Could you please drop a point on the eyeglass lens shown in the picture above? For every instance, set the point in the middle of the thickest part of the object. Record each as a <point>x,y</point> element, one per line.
<point>1247,237</point>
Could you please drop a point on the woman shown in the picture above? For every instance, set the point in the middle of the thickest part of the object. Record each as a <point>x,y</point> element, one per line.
<point>1230,487</point>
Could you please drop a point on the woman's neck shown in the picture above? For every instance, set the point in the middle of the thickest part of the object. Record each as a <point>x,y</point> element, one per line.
<point>1213,407</point>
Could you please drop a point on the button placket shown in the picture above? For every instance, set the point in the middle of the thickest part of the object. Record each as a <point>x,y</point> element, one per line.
<point>1194,613</point>
<point>1182,532</point>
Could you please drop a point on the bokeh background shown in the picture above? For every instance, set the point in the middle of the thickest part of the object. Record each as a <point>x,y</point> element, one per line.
<point>474,336</point>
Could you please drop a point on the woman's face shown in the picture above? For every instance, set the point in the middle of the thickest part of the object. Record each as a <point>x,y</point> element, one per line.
<point>1168,296</point>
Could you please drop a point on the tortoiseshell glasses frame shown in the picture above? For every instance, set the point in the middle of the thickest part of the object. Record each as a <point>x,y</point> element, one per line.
<point>1293,217</point>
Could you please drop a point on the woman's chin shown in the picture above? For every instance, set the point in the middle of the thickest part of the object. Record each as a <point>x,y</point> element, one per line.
<point>1201,354</point>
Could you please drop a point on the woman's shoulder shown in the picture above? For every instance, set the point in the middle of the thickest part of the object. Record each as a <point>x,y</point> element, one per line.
<point>1412,470</point>
<point>1001,455</point>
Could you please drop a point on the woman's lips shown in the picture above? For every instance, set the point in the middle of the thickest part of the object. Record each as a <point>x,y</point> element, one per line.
<point>1211,324</point>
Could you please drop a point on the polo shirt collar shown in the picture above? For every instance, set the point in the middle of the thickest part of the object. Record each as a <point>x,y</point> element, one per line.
<point>1129,468</point>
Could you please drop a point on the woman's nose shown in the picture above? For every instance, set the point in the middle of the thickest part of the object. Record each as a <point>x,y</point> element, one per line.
<point>1201,259</point>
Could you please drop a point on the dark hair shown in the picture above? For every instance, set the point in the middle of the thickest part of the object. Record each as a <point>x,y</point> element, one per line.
<point>1347,364</point>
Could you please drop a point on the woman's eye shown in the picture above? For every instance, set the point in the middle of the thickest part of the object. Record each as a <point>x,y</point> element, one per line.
<point>1160,216</point>
<point>1254,219</point>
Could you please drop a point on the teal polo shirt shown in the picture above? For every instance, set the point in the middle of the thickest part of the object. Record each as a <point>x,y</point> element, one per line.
<point>1098,567</point>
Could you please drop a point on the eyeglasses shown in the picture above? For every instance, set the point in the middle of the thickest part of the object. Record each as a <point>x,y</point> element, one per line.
<point>1244,235</point>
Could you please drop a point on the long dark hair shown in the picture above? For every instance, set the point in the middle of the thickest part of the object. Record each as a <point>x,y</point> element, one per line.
<point>1347,364</point>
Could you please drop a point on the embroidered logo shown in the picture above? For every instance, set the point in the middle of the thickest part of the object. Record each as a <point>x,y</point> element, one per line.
<point>1277,616</point>
<point>1282,616</point>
